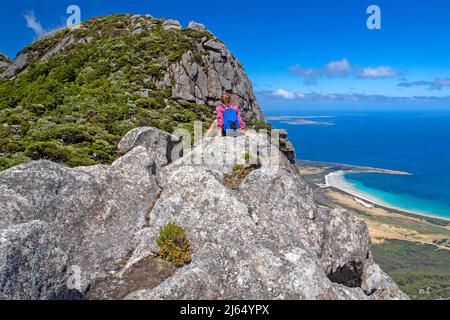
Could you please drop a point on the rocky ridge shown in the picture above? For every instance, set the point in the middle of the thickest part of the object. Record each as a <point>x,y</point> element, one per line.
<point>265,240</point>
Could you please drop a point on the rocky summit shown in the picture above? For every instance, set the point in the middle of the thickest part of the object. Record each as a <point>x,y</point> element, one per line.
<point>193,63</point>
<point>265,239</point>
<point>72,95</point>
<point>94,175</point>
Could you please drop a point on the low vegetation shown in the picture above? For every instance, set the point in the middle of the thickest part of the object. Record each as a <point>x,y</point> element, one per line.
<point>75,107</point>
<point>174,245</point>
<point>422,271</point>
<point>241,171</point>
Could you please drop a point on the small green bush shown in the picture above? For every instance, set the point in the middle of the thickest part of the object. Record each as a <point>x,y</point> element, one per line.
<point>259,125</point>
<point>174,245</point>
<point>283,144</point>
<point>48,151</point>
<point>72,135</point>
<point>155,70</point>
<point>252,160</point>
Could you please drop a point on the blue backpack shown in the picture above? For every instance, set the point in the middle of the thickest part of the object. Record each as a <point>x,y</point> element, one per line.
<point>230,120</point>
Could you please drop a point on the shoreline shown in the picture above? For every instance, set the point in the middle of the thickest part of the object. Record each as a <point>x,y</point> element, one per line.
<point>349,167</point>
<point>336,180</point>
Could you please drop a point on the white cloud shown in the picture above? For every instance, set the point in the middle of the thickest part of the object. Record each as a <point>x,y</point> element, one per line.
<point>341,69</point>
<point>309,75</point>
<point>338,68</point>
<point>285,94</point>
<point>442,82</point>
<point>329,96</point>
<point>34,24</point>
<point>378,72</point>
<point>437,84</point>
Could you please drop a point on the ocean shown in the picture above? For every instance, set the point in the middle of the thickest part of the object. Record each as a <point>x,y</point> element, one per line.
<point>417,142</point>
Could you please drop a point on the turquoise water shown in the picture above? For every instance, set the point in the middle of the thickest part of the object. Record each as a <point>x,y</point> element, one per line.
<point>404,201</point>
<point>417,142</point>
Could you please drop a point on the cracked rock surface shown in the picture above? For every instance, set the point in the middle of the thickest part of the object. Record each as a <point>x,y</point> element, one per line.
<point>267,239</point>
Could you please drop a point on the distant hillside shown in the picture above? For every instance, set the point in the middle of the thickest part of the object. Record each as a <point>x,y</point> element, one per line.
<point>72,95</point>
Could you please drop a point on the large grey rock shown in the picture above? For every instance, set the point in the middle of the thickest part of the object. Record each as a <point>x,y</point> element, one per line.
<point>196,26</point>
<point>204,75</point>
<point>220,156</point>
<point>214,45</point>
<point>267,240</point>
<point>95,212</point>
<point>135,17</point>
<point>137,29</point>
<point>236,256</point>
<point>17,66</point>
<point>171,24</point>
<point>379,284</point>
<point>4,62</point>
<point>32,266</point>
<point>346,247</point>
<point>288,149</point>
<point>286,193</point>
<point>159,144</point>
<point>58,48</point>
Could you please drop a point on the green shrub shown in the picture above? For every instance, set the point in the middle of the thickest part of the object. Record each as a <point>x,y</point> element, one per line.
<point>252,160</point>
<point>73,135</point>
<point>11,146</point>
<point>48,151</point>
<point>37,109</point>
<point>174,245</point>
<point>155,70</point>
<point>73,157</point>
<point>259,125</point>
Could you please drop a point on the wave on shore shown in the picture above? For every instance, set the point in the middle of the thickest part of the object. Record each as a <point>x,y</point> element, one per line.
<point>385,199</point>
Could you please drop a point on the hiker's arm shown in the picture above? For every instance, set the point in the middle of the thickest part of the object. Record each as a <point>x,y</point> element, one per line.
<point>219,112</point>
<point>242,124</point>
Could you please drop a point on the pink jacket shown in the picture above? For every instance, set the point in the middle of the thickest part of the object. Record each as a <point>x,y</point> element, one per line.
<point>220,112</point>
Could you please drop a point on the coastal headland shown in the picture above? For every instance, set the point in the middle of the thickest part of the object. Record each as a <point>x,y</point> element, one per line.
<point>413,248</point>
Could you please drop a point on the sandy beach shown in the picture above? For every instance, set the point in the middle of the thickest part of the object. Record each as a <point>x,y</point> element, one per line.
<point>337,180</point>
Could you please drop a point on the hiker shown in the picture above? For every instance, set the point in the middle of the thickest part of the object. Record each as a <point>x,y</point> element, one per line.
<point>229,118</point>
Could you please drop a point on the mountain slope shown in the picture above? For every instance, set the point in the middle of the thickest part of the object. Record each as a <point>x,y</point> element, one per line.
<point>72,95</point>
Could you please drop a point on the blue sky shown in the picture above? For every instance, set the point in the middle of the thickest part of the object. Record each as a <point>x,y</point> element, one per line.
<point>296,52</point>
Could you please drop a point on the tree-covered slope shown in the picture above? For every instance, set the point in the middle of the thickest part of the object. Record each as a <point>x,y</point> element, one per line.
<point>72,95</point>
